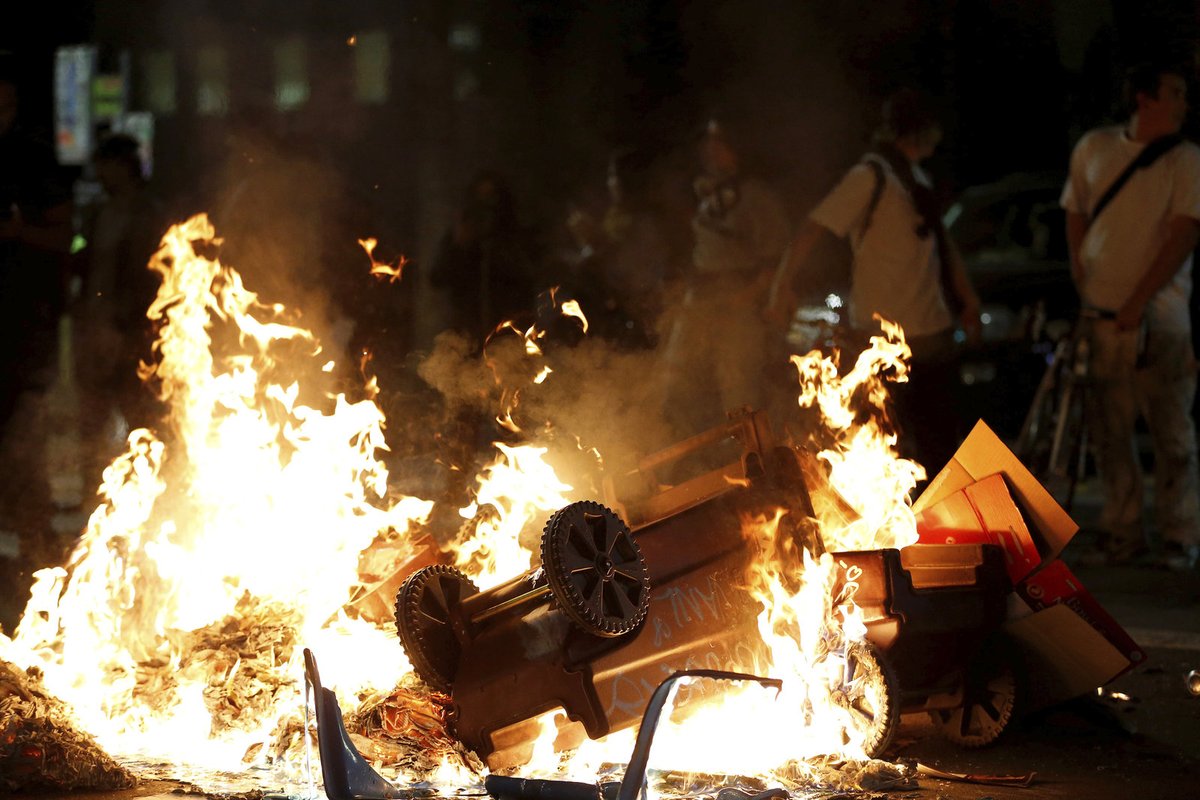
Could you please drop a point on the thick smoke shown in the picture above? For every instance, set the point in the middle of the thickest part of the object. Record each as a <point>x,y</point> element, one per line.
<point>596,395</point>
<point>281,214</point>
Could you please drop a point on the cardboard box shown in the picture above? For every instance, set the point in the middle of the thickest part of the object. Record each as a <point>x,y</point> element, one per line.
<point>982,454</point>
<point>983,512</point>
<point>1069,643</point>
<point>1055,584</point>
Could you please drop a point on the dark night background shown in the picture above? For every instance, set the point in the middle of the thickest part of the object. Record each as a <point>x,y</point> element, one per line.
<point>399,104</point>
<point>543,90</point>
<point>367,118</point>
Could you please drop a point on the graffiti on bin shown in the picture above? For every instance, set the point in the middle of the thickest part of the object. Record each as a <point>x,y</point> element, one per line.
<point>673,610</point>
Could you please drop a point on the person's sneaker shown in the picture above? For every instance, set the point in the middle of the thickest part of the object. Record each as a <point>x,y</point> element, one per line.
<point>1179,557</point>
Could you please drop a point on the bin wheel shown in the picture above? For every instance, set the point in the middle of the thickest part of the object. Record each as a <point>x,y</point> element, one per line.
<point>868,692</point>
<point>595,569</point>
<point>990,693</point>
<point>426,609</point>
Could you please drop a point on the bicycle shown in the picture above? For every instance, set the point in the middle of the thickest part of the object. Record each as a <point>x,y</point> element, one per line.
<point>1053,442</point>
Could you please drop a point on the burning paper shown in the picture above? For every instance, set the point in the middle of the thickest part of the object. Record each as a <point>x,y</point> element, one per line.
<point>40,747</point>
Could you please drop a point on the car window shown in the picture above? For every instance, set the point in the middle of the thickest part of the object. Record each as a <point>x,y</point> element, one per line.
<point>1048,239</point>
<point>1027,225</point>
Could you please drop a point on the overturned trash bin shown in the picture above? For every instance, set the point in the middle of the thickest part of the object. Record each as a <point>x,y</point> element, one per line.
<point>652,582</point>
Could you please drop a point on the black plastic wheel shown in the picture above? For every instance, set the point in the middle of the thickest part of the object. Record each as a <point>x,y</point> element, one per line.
<point>595,569</point>
<point>990,693</point>
<point>426,606</point>
<point>869,693</point>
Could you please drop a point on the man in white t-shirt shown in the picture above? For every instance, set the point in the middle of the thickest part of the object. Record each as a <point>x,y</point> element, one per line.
<point>715,353</point>
<point>904,267</point>
<point>1132,263</point>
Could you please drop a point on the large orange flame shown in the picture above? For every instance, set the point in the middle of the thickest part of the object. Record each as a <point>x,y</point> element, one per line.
<point>254,504</point>
<point>251,499</point>
<point>864,468</point>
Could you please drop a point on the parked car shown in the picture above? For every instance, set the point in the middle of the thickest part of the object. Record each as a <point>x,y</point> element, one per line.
<point>1012,236</point>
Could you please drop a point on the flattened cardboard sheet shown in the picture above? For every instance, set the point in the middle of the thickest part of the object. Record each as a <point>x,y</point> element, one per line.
<point>1065,657</point>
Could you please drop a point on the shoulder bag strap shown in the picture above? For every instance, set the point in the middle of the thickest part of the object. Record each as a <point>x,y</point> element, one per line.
<point>1150,153</point>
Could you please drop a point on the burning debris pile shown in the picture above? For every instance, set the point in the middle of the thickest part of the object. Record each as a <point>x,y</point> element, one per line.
<point>405,731</point>
<point>222,539</point>
<point>259,522</point>
<point>168,633</point>
<point>242,659</point>
<point>833,780</point>
<point>40,745</point>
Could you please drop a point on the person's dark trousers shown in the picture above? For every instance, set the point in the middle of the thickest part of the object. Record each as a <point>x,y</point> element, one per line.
<point>928,404</point>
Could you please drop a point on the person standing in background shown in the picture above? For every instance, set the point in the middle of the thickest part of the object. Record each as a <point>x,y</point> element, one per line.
<point>122,233</point>
<point>35,235</point>
<point>485,261</point>
<point>904,268</point>
<point>718,341</point>
<point>1133,220</point>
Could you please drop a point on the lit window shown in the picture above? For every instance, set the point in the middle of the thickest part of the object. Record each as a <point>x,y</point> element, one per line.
<point>372,60</point>
<point>156,81</point>
<point>291,74</point>
<point>465,37</point>
<point>74,69</point>
<point>212,81</point>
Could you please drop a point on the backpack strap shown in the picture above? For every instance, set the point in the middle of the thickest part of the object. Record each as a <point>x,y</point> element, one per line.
<point>926,204</point>
<point>876,193</point>
<point>1150,153</point>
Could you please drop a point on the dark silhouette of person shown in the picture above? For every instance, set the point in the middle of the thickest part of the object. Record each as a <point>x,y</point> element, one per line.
<point>121,232</point>
<point>486,260</point>
<point>622,260</point>
<point>35,235</point>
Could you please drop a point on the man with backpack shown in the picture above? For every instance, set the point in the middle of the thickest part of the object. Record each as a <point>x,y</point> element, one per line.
<point>904,268</point>
<point>1133,219</point>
